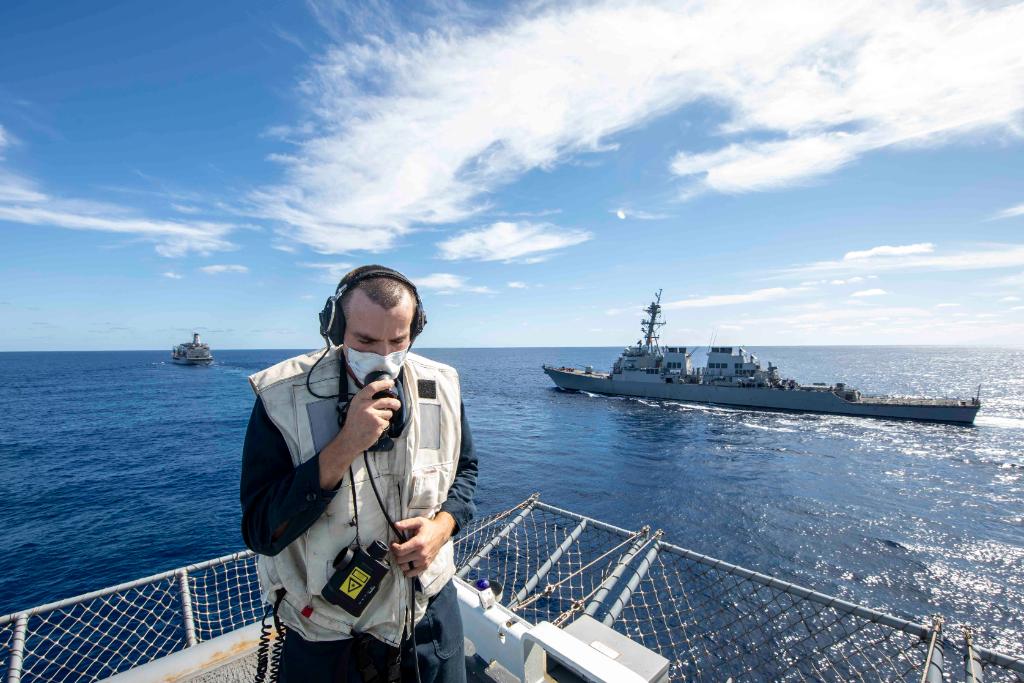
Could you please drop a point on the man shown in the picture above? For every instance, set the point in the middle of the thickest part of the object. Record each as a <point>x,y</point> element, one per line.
<point>310,490</point>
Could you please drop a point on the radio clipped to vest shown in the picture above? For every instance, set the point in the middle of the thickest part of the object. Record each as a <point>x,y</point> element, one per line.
<point>357,576</point>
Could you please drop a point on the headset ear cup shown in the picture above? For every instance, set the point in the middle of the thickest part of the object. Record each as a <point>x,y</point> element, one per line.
<point>338,328</point>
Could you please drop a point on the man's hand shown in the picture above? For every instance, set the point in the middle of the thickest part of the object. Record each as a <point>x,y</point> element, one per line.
<point>426,536</point>
<point>365,422</point>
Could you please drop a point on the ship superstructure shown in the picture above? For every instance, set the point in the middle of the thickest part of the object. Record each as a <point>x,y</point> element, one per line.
<point>734,376</point>
<point>195,352</point>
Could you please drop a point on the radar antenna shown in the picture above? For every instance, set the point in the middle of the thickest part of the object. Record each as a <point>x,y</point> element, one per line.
<point>652,322</point>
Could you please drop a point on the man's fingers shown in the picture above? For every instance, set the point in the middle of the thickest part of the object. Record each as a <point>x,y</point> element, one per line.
<point>409,550</point>
<point>392,404</point>
<point>380,385</point>
<point>412,524</point>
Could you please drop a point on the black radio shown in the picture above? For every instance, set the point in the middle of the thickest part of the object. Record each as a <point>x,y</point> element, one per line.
<point>356,579</point>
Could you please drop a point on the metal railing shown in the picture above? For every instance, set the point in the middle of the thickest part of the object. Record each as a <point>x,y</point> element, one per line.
<point>711,619</point>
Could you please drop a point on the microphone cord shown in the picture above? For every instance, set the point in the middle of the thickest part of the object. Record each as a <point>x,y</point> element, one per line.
<point>412,581</point>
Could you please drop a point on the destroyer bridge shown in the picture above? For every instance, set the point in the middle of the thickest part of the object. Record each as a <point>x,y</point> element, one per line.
<point>580,600</point>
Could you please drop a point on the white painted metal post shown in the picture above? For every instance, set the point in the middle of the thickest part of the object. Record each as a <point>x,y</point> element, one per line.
<point>484,551</point>
<point>608,584</point>
<point>549,563</point>
<point>16,659</point>
<point>622,599</point>
<point>186,608</point>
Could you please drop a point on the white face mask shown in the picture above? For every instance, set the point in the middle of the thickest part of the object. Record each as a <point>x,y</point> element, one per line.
<point>362,363</point>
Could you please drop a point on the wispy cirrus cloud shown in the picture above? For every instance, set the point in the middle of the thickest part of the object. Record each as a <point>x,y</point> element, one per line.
<point>23,201</point>
<point>171,275</point>
<point>1011,212</point>
<point>975,257</point>
<point>219,269</point>
<point>868,292</point>
<point>405,129</point>
<point>448,283</point>
<point>766,294</point>
<point>637,214</point>
<point>886,250</point>
<point>505,241</point>
<point>330,272</point>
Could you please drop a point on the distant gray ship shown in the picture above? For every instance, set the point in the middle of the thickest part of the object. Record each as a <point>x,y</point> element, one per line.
<point>734,377</point>
<point>192,353</point>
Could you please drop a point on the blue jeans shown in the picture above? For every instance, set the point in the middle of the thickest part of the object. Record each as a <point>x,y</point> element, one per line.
<point>439,650</point>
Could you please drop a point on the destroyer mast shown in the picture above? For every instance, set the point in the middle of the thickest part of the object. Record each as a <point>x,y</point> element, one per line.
<point>649,326</point>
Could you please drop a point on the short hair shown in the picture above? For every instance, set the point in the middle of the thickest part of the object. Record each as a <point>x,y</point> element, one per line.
<point>384,291</point>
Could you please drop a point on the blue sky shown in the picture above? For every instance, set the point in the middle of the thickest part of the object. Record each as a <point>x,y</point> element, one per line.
<point>792,174</point>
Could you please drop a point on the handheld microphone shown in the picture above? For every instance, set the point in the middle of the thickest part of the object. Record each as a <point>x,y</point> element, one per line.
<point>376,375</point>
<point>385,442</point>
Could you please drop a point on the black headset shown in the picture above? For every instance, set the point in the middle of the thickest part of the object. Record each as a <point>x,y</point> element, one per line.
<point>332,317</point>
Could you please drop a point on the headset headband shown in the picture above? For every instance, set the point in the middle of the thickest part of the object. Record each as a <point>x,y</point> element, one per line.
<point>332,317</point>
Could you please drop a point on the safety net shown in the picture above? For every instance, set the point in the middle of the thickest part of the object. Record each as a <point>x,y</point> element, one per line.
<point>711,620</point>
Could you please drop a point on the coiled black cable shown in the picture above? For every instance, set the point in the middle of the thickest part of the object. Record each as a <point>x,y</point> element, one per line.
<point>264,659</point>
<point>278,652</point>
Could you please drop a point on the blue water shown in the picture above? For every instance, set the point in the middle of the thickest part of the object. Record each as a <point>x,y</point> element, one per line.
<point>117,465</point>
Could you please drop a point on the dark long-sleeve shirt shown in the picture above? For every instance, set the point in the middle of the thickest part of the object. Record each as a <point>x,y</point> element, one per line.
<point>273,491</point>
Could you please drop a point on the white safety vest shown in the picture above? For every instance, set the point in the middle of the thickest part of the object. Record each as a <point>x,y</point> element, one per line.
<point>413,479</point>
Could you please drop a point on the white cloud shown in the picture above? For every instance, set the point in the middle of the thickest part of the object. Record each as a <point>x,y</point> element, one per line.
<point>1009,299</point>
<point>971,258</point>
<point>5,140</point>
<point>517,285</point>
<point>186,209</point>
<point>869,292</point>
<point>637,214</point>
<point>505,241</point>
<point>170,274</point>
<point>922,248</point>
<point>21,201</point>
<point>217,269</point>
<point>330,272</point>
<point>414,129</point>
<point>1012,280</point>
<point>767,294</point>
<point>947,305</point>
<point>763,166</point>
<point>1011,212</point>
<point>448,283</point>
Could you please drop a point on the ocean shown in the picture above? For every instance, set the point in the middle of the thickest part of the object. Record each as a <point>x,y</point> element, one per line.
<point>117,465</point>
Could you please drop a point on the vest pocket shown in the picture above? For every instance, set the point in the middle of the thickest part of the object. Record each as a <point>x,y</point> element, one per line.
<point>425,496</point>
<point>440,571</point>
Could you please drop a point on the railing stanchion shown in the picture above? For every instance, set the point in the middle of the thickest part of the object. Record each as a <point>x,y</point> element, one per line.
<point>16,658</point>
<point>186,608</point>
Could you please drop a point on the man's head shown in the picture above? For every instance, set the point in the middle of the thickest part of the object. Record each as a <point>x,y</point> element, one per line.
<point>379,312</point>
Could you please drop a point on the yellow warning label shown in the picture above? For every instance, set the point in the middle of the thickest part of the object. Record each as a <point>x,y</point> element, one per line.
<point>353,585</point>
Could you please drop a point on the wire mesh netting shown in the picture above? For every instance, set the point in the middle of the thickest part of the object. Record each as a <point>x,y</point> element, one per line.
<point>111,633</point>
<point>101,634</point>
<point>709,619</point>
<point>225,597</point>
<point>710,623</point>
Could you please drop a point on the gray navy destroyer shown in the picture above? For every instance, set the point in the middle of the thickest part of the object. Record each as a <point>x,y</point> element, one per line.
<point>733,376</point>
